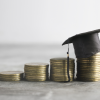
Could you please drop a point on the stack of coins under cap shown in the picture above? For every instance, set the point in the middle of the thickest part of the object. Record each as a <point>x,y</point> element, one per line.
<point>88,69</point>
<point>58,69</point>
<point>11,76</point>
<point>36,71</point>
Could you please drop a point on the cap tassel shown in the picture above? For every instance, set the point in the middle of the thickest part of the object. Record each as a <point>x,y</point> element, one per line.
<point>68,63</point>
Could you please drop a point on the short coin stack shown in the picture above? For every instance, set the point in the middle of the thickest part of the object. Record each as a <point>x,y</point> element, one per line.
<point>11,76</point>
<point>58,69</point>
<point>88,69</point>
<point>36,71</point>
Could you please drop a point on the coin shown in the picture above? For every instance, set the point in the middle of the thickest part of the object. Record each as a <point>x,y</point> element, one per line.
<point>35,80</point>
<point>37,64</point>
<point>11,76</point>
<point>11,73</point>
<point>88,80</point>
<point>36,71</point>
<point>60,59</point>
<point>88,69</point>
<point>70,62</point>
<point>58,69</point>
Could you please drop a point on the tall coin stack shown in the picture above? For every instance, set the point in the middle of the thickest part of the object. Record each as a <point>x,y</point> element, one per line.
<point>88,69</point>
<point>36,71</point>
<point>58,69</point>
<point>11,76</point>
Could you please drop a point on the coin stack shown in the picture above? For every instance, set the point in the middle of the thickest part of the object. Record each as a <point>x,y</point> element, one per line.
<point>36,71</point>
<point>58,69</point>
<point>11,76</point>
<point>88,69</point>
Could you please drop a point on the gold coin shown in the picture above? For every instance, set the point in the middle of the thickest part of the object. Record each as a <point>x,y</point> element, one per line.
<point>36,64</point>
<point>80,60</point>
<point>93,58</point>
<point>36,67</point>
<point>63,66</point>
<point>87,71</point>
<point>36,70</point>
<point>62,62</point>
<point>29,76</point>
<point>62,71</point>
<point>88,68</point>
<point>91,74</point>
<point>61,80</point>
<point>83,66</point>
<point>60,59</point>
<point>88,61</point>
<point>39,69</point>
<point>35,80</point>
<point>97,53</point>
<point>54,62</point>
<point>55,77</point>
<point>62,75</point>
<point>58,72</point>
<point>88,76</point>
<point>89,80</point>
<point>35,75</point>
<point>80,78</point>
<point>79,71</point>
<point>11,73</point>
<point>10,79</point>
<point>95,62</point>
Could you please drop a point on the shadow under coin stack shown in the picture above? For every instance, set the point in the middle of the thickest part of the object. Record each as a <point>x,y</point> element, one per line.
<point>36,71</point>
<point>88,69</point>
<point>58,69</point>
<point>11,76</point>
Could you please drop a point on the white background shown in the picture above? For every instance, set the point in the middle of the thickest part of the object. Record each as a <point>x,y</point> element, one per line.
<point>46,21</point>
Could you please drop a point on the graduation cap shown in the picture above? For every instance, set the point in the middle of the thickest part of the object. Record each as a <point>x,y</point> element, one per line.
<point>85,44</point>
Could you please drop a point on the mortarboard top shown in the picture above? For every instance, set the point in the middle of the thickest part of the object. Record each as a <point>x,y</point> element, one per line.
<point>85,44</point>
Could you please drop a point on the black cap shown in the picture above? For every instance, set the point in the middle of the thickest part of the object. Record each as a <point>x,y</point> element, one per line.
<point>85,44</point>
